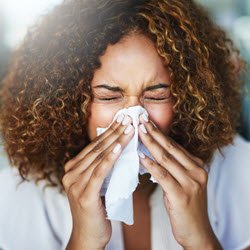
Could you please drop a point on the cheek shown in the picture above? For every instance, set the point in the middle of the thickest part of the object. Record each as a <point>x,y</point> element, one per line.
<point>162,116</point>
<point>100,116</point>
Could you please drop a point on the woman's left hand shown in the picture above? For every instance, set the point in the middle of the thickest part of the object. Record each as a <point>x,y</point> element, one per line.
<point>184,184</point>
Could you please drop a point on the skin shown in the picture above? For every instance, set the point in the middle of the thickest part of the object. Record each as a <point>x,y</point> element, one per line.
<point>133,65</point>
<point>184,184</point>
<point>121,67</point>
<point>84,176</point>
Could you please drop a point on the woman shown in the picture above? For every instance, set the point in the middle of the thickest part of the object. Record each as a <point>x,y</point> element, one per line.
<point>82,63</point>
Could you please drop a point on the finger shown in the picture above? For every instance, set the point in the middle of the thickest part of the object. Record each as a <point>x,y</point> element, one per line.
<point>181,154</point>
<point>83,173</point>
<point>98,152</point>
<point>80,180</point>
<point>117,127</point>
<point>167,161</point>
<point>92,144</point>
<point>169,184</point>
<point>93,188</point>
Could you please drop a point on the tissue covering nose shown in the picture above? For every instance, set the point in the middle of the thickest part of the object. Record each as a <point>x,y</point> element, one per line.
<point>122,181</point>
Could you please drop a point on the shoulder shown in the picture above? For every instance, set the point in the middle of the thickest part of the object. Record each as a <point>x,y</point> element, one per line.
<point>229,194</point>
<point>237,153</point>
<point>230,167</point>
<point>27,210</point>
<point>12,188</point>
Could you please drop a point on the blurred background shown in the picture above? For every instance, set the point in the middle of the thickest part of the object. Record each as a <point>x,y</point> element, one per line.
<point>16,16</point>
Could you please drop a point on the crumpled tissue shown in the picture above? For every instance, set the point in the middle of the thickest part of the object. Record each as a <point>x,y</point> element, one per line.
<point>119,185</point>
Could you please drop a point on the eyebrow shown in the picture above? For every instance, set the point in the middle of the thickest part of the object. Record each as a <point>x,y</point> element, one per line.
<point>118,89</point>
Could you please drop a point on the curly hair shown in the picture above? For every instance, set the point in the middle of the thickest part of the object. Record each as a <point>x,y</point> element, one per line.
<point>46,93</point>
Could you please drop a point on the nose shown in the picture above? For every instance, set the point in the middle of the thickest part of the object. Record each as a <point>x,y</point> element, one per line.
<point>133,100</point>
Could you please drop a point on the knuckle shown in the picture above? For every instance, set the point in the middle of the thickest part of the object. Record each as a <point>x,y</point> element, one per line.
<point>66,181</point>
<point>100,156</point>
<point>107,160</point>
<point>83,202</point>
<point>172,144</point>
<point>199,161</point>
<point>98,148</point>
<point>185,200</point>
<point>202,176</point>
<point>73,190</point>
<point>166,157</point>
<point>113,126</point>
<point>96,140</point>
<point>120,130</point>
<point>171,158</point>
<point>163,174</point>
<point>195,187</point>
<point>68,165</point>
<point>97,172</point>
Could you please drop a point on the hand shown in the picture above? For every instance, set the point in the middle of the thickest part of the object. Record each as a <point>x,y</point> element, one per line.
<point>184,181</point>
<point>83,179</point>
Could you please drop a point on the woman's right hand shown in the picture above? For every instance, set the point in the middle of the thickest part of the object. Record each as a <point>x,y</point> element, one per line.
<point>83,179</point>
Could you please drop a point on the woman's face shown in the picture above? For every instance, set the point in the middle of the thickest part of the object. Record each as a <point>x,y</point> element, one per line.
<point>132,73</point>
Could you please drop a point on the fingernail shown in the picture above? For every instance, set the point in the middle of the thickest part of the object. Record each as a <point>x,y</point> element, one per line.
<point>126,120</point>
<point>117,148</point>
<point>143,129</point>
<point>154,124</point>
<point>119,118</point>
<point>144,117</point>
<point>141,154</point>
<point>128,129</point>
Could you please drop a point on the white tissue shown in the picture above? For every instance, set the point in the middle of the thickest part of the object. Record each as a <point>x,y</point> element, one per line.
<point>122,181</point>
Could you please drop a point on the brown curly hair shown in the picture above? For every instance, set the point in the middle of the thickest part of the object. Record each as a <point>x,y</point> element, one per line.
<point>46,93</point>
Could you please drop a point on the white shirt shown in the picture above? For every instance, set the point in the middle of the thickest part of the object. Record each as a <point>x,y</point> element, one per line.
<point>31,219</point>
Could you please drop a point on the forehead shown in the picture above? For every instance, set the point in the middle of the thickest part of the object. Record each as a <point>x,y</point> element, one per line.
<point>133,59</point>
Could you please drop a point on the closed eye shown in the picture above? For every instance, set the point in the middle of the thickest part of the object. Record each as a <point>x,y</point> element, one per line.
<point>113,98</point>
<point>108,99</point>
<point>158,99</point>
